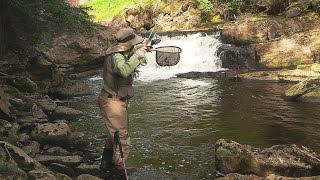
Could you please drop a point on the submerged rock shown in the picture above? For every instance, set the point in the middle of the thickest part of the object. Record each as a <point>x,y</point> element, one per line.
<point>283,160</point>
<point>308,90</point>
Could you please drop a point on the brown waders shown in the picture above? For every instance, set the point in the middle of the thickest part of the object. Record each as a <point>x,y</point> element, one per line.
<point>114,112</point>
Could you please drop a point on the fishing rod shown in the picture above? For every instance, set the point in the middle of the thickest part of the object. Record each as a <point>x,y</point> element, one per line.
<point>118,143</point>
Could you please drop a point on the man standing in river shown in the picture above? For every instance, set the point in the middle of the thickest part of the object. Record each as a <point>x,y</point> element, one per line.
<point>119,66</point>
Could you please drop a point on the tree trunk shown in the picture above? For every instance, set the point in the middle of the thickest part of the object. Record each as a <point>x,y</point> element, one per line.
<point>4,23</point>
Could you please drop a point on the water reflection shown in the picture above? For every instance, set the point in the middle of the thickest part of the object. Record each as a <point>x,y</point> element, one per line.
<point>174,123</point>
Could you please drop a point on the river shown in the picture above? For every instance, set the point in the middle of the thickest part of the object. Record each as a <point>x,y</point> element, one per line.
<point>175,122</point>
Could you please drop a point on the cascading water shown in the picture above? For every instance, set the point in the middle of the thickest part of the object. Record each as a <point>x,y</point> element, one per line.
<point>198,54</point>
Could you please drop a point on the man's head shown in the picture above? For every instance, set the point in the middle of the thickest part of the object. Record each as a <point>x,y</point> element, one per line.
<point>126,39</point>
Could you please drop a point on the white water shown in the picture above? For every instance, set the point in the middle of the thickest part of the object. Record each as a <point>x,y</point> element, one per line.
<point>198,55</point>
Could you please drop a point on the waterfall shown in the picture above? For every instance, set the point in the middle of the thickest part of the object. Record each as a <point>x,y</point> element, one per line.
<point>198,55</point>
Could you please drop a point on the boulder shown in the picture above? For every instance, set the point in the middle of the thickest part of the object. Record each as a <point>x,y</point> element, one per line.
<point>24,139</point>
<point>87,176</point>
<point>23,161</point>
<point>79,48</point>
<point>44,102</point>
<point>70,88</point>
<point>67,113</point>
<point>37,112</point>
<point>41,175</point>
<point>233,57</point>
<point>9,134</point>
<point>52,134</point>
<point>305,90</point>
<point>71,161</point>
<point>32,149</point>
<point>5,111</point>
<point>5,124</point>
<point>23,84</point>
<point>139,18</point>
<point>293,12</point>
<point>63,169</point>
<point>9,169</point>
<point>283,160</point>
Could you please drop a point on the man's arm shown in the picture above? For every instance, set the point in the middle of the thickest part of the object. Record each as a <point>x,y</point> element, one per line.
<point>125,68</point>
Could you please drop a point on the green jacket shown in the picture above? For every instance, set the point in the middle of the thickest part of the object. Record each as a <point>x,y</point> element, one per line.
<point>118,70</point>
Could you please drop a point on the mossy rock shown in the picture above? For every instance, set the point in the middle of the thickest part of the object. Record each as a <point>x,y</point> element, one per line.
<point>23,84</point>
<point>303,88</point>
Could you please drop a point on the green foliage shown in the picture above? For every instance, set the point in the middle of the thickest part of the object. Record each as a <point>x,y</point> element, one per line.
<point>233,6</point>
<point>107,9</point>
<point>316,5</point>
<point>206,8</point>
<point>34,21</point>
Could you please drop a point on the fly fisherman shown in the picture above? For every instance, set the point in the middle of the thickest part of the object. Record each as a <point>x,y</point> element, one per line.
<point>119,67</point>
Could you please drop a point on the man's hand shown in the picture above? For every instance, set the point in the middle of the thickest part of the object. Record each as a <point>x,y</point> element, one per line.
<point>140,53</point>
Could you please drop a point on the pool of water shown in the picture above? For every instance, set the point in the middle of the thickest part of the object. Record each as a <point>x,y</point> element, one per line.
<point>174,123</point>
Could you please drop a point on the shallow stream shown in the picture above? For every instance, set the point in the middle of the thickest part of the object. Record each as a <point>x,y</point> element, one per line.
<point>175,122</point>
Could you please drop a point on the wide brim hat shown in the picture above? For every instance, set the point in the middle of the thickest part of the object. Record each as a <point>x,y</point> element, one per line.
<point>126,38</point>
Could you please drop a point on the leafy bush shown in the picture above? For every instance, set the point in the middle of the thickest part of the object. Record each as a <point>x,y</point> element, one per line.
<point>206,7</point>
<point>316,5</point>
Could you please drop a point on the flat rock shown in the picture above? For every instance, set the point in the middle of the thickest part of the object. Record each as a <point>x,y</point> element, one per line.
<point>283,160</point>
<point>67,113</point>
<point>87,176</point>
<point>52,134</point>
<point>71,161</point>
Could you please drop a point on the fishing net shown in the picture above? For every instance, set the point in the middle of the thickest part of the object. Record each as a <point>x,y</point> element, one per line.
<point>167,55</point>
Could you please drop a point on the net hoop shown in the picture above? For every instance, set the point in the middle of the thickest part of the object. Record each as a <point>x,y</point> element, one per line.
<point>168,55</point>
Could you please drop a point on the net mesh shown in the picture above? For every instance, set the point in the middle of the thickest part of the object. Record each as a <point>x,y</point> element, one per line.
<point>168,55</point>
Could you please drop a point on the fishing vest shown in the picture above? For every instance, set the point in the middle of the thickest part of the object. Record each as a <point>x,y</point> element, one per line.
<point>122,87</point>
